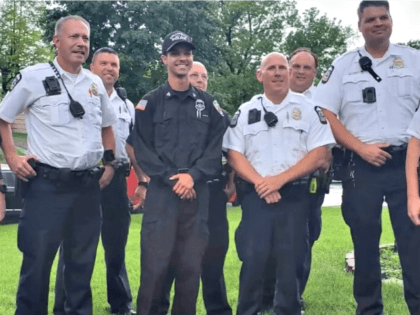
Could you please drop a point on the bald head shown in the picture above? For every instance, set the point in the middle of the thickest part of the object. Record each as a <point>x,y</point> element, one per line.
<point>198,76</point>
<point>271,56</point>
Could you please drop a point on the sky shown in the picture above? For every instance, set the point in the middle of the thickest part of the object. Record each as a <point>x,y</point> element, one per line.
<point>405,16</point>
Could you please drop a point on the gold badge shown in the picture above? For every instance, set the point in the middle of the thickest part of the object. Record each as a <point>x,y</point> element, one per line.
<point>95,89</point>
<point>398,63</point>
<point>296,114</point>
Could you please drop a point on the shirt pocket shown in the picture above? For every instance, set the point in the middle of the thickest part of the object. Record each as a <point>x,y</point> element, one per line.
<point>54,109</point>
<point>353,86</point>
<point>199,127</point>
<point>94,110</point>
<point>296,136</point>
<point>401,82</point>
<point>124,121</point>
<point>256,140</point>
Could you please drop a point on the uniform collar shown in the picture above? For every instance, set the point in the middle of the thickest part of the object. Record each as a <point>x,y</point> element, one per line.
<point>277,107</point>
<point>61,71</point>
<point>392,51</point>
<point>169,92</point>
<point>114,94</point>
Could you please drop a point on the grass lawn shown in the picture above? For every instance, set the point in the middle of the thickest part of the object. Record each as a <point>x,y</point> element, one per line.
<point>329,290</point>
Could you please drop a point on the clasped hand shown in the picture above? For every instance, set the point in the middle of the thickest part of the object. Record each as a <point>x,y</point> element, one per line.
<point>184,186</point>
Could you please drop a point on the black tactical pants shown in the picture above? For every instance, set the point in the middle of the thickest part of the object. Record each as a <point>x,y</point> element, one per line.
<point>362,207</point>
<point>313,232</point>
<point>278,230</point>
<point>212,277</point>
<point>67,214</point>
<point>114,233</point>
<point>172,229</point>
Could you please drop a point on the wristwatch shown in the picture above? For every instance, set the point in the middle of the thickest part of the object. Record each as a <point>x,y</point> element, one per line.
<point>145,184</point>
<point>3,189</point>
<point>109,159</point>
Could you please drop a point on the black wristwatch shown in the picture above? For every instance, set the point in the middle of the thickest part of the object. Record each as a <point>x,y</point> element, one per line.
<point>109,159</point>
<point>3,189</point>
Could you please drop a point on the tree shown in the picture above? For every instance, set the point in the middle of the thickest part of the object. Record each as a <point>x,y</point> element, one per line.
<point>412,43</point>
<point>135,29</point>
<point>21,38</point>
<point>246,30</point>
<point>324,37</point>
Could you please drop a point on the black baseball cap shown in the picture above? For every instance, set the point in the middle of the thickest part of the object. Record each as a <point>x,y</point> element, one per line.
<point>175,38</point>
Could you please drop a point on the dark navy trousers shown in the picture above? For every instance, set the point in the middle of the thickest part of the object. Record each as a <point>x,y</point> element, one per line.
<point>212,277</point>
<point>313,231</point>
<point>172,230</point>
<point>114,234</point>
<point>67,214</point>
<point>277,230</point>
<point>362,208</point>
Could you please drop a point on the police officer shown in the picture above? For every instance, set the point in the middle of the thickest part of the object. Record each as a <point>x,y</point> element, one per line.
<point>114,200</point>
<point>375,91</point>
<point>303,65</point>
<point>69,121</point>
<point>221,189</point>
<point>177,141</point>
<point>274,142</point>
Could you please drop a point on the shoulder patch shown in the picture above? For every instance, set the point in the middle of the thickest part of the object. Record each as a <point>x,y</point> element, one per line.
<point>16,81</point>
<point>234,120</point>
<point>141,105</point>
<point>321,115</point>
<point>218,108</point>
<point>327,75</point>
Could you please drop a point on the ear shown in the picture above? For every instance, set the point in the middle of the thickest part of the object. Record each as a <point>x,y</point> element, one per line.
<point>164,59</point>
<point>259,75</point>
<point>55,40</point>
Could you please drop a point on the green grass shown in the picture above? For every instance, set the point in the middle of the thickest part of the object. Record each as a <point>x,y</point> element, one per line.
<point>329,289</point>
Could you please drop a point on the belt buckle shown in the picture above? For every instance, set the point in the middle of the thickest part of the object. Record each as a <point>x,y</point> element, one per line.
<point>183,170</point>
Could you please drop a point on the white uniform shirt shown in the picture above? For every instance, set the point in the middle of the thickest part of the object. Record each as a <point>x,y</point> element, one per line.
<point>397,95</point>
<point>125,117</point>
<point>55,137</point>
<point>309,93</point>
<point>276,149</point>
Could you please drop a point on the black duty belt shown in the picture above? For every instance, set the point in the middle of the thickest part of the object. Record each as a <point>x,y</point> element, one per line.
<point>65,174</point>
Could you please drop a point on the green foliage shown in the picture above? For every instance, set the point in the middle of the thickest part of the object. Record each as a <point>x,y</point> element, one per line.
<point>135,29</point>
<point>412,43</point>
<point>390,263</point>
<point>324,37</point>
<point>21,38</point>
<point>231,38</point>
<point>246,30</point>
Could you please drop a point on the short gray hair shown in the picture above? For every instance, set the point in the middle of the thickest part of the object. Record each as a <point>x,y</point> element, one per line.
<point>60,22</point>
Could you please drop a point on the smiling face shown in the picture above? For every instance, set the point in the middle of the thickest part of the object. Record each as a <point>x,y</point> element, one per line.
<point>375,24</point>
<point>302,72</point>
<point>274,75</point>
<point>198,76</point>
<point>72,44</point>
<point>107,67</point>
<point>178,60</point>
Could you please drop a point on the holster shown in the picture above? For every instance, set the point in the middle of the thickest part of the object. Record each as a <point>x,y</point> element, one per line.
<point>242,187</point>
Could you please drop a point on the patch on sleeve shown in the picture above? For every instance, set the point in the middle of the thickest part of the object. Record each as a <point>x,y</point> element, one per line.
<point>234,120</point>
<point>16,81</point>
<point>141,105</point>
<point>327,75</point>
<point>218,108</point>
<point>321,115</point>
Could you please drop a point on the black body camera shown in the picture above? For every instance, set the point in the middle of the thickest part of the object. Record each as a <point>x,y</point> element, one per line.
<point>369,95</point>
<point>52,86</point>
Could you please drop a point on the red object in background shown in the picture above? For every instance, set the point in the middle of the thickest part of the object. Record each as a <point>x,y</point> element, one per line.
<point>131,186</point>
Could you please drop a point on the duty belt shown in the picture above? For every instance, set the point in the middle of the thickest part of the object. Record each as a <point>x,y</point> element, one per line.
<point>65,174</point>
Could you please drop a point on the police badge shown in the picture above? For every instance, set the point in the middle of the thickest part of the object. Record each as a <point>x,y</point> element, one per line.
<point>199,106</point>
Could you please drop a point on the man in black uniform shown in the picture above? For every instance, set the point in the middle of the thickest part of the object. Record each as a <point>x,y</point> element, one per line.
<point>177,141</point>
<point>221,189</point>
